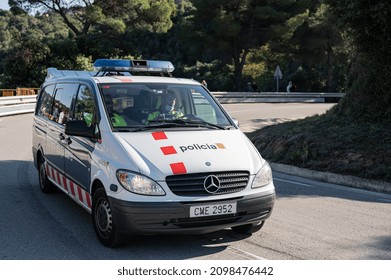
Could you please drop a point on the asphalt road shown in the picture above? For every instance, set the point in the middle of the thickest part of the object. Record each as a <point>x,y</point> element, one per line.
<point>252,116</point>
<point>311,220</point>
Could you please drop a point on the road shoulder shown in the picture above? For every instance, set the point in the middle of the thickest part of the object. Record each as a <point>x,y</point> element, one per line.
<point>345,180</point>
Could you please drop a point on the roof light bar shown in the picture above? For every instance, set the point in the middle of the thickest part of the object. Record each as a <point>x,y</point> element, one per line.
<point>123,65</point>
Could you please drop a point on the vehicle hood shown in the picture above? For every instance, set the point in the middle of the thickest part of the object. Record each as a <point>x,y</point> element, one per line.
<point>159,154</point>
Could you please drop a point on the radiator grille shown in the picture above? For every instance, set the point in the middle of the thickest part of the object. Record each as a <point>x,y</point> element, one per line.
<point>193,184</point>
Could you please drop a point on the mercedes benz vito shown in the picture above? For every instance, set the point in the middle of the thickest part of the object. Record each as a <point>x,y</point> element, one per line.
<point>147,153</point>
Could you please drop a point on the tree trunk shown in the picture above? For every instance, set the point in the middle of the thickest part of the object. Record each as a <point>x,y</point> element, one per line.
<point>330,70</point>
<point>239,62</point>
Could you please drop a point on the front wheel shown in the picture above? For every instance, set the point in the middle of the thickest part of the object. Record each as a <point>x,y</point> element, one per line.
<point>102,220</point>
<point>248,229</point>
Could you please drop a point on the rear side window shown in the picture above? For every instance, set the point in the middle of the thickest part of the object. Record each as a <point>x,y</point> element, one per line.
<point>46,101</point>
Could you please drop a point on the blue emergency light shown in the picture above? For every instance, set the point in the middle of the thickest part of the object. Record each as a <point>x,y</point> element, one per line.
<point>124,65</point>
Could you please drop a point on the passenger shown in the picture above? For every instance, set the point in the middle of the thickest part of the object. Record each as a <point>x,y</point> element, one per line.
<point>56,112</point>
<point>63,117</point>
<point>116,119</point>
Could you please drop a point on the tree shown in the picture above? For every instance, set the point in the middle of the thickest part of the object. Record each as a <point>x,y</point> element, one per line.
<point>229,29</point>
<point>144,22</point>
<point>78,15</point>
<point>116,15</point>
<point>368,25</point>
<point>21,50</point>
<point>105,28</point>
<point>316,55</point>
<point>29,44</point>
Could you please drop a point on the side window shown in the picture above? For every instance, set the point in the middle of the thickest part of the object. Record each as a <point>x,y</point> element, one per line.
<point>62,102</point>
<point>46,101</point>
<point>84,106</point>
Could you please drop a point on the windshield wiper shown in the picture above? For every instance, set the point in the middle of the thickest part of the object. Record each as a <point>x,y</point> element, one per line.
<point>178,123</point>
<point>203,123</point>
<point>192,122</point>
<point>121,130</point>
<point>208,124</point>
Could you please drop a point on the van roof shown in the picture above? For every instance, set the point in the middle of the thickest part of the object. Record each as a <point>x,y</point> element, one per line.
<point>124,79</point>
<point>121,71</point>
<point>143,79</point>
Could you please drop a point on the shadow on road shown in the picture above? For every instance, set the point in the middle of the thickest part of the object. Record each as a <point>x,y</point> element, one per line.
<point>38,226</point>
<point>383,247</point>
<point>270,121</point>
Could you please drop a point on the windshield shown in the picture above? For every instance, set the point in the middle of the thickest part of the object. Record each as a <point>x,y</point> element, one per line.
<point>135,106</point>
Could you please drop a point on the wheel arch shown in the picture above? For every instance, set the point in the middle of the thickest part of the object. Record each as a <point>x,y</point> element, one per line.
<point>97,184</point>
<point>39,156</point>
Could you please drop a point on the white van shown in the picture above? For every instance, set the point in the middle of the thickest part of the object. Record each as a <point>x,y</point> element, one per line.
<point>147,154</point>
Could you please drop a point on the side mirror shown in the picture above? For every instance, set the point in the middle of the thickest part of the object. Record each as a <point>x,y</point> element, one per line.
<point>79,128</point>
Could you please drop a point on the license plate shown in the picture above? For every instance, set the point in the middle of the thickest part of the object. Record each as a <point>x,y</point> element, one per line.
<point>212,209</point>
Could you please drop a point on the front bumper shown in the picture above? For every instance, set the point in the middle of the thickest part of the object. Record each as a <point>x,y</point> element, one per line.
<point>173,217</point>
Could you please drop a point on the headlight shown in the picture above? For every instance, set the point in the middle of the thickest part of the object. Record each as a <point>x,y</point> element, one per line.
<point>139,184</point>
<point>263,177</point>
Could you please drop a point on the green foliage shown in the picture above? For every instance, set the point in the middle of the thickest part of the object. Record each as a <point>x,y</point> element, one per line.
<point>69,34</point>
<point>30,44</point>
<point>229,30</point>
<point>368,25</point>
<point>313,55</point>
<point>216,75</point>
<point>22,65</point>
<point>320,45</point>
<point>147,15</point>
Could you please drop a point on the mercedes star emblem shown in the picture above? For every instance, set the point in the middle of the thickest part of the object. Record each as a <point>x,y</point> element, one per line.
<point>212,184</point>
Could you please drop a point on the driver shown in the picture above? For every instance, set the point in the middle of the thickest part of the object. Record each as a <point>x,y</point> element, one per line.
<point>167,110</point>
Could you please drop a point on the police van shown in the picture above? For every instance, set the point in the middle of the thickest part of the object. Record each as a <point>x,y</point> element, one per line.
<point>147,153</point>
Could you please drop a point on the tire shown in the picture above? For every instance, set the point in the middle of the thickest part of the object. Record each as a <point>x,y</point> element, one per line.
<point>248,229</point>
<point>44,183</point>
<point>103,222</point>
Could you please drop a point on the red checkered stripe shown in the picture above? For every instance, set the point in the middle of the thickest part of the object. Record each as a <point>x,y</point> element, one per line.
<point>167,150</point>
<point>72,189</point>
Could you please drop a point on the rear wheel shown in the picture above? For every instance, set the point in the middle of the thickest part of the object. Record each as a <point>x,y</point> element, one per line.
<point>103,222</point>
<point>248,229</point>
<point>45,185</point>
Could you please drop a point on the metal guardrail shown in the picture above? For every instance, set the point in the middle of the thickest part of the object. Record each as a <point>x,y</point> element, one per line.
<point>26,104</point>
<point>17,105</point>
<point>277,97</point>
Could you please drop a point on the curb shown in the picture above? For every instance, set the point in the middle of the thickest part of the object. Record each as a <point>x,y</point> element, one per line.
<point>345,180</point>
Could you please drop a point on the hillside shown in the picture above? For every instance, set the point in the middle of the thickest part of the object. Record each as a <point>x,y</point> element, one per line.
<point>330,144</point>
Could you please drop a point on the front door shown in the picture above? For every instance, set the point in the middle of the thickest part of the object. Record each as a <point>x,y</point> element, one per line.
<point>79,149</point>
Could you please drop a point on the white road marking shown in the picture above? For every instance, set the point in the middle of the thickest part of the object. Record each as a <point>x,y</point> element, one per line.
<point>237,251</point>
<point>294,182</point>
<point>245,253</point>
